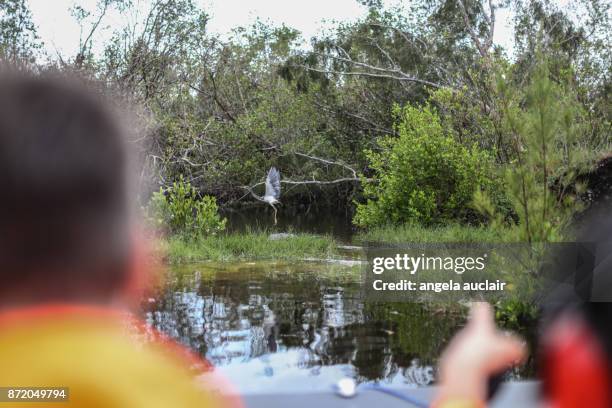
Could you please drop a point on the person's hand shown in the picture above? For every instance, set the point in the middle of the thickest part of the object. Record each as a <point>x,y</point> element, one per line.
<point>477,352</point>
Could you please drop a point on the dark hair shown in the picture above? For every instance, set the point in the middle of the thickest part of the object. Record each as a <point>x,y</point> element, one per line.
<point>63,206</point>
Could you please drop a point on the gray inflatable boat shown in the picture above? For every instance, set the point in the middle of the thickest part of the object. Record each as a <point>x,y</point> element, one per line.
<point>511,394</point>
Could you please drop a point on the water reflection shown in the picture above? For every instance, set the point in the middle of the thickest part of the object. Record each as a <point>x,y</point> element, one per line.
<point>297,218</point>
<point>302,325</point>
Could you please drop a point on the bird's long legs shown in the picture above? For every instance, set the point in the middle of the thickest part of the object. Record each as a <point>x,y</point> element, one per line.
<point>274,214</point>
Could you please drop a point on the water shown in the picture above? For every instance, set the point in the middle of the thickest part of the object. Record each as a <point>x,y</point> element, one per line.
<point>295,326</point>
<point>298,218</point>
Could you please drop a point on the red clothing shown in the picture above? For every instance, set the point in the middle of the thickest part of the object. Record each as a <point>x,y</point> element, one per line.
<point>576,372</point>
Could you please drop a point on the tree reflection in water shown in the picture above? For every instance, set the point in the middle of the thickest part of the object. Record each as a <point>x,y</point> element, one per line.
<point>301,325</point>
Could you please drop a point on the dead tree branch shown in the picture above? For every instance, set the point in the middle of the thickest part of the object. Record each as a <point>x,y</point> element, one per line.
<point>483,48</point>
<point>390,74</point>
<point>326,161</point>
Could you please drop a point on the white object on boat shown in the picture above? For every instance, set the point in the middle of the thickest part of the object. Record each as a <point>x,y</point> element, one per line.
<point>346,387</point>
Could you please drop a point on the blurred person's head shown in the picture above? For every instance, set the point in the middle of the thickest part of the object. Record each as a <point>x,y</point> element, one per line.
<point>64,216</point>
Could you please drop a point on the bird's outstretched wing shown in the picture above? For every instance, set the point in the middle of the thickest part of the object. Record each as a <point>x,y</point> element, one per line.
<point>273,184</point>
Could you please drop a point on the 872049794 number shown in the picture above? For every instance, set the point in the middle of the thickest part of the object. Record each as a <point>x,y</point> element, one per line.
<point>34,394</point>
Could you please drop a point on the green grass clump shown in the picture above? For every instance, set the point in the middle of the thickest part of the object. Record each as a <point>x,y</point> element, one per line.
<point>443,234</point>
<point>246,246</point>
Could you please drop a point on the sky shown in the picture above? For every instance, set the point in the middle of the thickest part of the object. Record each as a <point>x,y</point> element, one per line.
<point>60,32</point>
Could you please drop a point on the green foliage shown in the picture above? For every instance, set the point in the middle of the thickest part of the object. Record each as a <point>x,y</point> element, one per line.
<point>179,210</point>
<point>248,245</point>
<point>223,110</point>
<point>516,315</point>
<point>423,175</point>
<point>546,127</point>
<point>19,42</point>
<point>469,123</point>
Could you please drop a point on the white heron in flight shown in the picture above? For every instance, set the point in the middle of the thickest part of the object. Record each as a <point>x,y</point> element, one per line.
<point>273,189</point>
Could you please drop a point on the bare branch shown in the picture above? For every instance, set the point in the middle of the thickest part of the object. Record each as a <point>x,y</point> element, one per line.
<point>364,65</point>
<point>374,126</point>
<point>81,55</point>
<point>401,77</point>
<point>325,182</point>
<point>216,97</point>
<point>400,32</point>
<point>304,182</point>
<point>491,21</point>
<point>328,162</point>
<point>471,31</point>
<point>250,190</point>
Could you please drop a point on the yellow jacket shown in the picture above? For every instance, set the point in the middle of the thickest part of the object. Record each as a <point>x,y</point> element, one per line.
<point>101,356</point>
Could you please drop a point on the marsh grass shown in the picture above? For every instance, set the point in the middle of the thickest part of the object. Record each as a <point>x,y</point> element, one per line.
<point>444,234</point>
<point>250,245</point>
